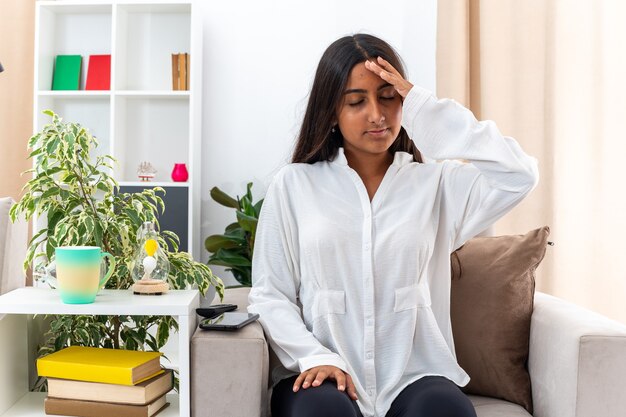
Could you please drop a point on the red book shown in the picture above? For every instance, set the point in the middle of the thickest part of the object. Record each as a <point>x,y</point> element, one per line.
<point>99,72</point>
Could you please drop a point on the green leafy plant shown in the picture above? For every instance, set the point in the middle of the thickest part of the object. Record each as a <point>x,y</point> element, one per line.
<point>234,248</point>
<point>83,206</point>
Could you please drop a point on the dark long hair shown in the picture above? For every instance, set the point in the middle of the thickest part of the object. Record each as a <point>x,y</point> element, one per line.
<point>316,141</point>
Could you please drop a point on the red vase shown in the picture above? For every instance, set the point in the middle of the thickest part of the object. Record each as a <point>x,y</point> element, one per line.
<point>179,173</point>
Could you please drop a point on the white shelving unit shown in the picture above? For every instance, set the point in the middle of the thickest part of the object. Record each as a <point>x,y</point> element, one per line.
<point>15,400</point>
<point>140,118</point>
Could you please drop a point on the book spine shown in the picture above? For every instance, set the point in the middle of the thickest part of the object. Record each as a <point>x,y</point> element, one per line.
<point>140,394</point>
<point>183,71</point>
<point>82,372</point>
<point>92,408</point>
<point>187,64</point>
<point>175,74</point>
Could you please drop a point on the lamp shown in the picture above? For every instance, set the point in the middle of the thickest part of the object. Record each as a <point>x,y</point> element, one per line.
<point>150,266</point>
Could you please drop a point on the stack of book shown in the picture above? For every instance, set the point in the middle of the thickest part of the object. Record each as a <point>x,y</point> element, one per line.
<point>98,382</point>
<point>180,71</point>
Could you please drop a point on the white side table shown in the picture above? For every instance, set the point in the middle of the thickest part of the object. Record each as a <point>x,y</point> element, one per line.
<point>15,400</point>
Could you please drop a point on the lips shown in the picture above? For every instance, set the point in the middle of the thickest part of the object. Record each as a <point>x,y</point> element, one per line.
<point>377,132</point>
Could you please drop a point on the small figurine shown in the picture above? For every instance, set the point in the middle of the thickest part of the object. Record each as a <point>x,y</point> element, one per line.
<point>146,171</point>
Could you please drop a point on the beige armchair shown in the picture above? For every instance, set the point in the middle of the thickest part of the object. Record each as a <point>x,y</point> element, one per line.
<point>13,244</point>
<point>577,366</point>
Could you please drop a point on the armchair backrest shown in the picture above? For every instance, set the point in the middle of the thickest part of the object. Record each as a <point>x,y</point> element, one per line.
<point>13,245</point>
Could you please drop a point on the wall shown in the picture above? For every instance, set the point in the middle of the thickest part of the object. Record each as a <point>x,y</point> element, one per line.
<point>16,91</point>
<point>259,60</point>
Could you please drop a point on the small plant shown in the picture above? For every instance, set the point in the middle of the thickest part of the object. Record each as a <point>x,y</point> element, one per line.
<point>234,248</point>
<point>83,206</point>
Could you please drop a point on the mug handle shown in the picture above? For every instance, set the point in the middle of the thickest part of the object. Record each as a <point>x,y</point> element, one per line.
<point>106,277</point>
<point>44,274</point>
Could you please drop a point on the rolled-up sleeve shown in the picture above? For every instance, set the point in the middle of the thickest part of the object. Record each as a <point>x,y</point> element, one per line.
<point>496,173</point>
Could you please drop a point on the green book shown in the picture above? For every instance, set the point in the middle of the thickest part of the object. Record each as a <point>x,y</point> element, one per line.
<point>67,72</point>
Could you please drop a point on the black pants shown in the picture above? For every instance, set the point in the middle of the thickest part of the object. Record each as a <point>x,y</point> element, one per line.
<point>431,396</point>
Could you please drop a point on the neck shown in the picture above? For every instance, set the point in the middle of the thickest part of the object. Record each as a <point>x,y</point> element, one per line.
<point>369,165</point>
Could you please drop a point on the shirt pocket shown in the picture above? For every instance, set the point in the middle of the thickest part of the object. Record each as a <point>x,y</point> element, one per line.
<point>412,296</point>
<point>328,302</point>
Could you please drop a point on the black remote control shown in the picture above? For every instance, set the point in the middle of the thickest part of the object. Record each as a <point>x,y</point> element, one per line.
<point>214,310</point>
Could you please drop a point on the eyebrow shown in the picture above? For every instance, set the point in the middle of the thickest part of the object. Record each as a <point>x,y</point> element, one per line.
<point>362,91</point>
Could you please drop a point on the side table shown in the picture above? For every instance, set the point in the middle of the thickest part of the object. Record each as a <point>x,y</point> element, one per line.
<point>16,400</point>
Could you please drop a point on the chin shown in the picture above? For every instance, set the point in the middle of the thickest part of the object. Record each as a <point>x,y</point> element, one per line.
<point>377,148</point>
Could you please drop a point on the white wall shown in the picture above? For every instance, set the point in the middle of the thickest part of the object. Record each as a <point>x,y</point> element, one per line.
<point>259,61</point>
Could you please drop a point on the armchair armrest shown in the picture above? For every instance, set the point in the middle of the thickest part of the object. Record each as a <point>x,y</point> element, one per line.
<point>229,370</point>
<point>577,361</point>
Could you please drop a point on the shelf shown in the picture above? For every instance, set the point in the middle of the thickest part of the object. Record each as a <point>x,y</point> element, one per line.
<point>152,129</point>
<point>153,94</point>
<point>77,7</point>
<point>148,35</point>
<point>92,111</point>
<point>107,93</point>
<point>16,359</point>
<point>140,119</point>
<point>108,302</point>
<point>62,31</point>
<point>75,93</point>
<point>31,405</point>
<point>159,6</point>
<point>149,184</point>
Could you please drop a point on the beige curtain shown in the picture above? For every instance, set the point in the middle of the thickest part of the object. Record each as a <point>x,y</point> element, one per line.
<point>552,74</point>
<point>17,30</point>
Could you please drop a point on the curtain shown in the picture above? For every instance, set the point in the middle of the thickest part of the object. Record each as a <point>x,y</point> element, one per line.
<point>552,74</point>
<point>17,33</point>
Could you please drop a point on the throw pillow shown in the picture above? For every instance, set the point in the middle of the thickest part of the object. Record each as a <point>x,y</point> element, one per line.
<point>493,286</point>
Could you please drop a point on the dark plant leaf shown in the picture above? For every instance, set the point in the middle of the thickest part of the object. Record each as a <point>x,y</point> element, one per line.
<point>215,242</point>
<point>257,207</point>
<point>224,199</point>
<point>247,223</point>
<point>226,257</point>
<point>231,227</point>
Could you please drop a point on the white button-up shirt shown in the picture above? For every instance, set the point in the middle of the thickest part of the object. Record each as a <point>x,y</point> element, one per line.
<point>365,286</point>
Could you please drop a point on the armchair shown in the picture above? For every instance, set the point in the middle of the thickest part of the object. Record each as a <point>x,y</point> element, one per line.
<point>577,364</point>
<point>13,244</point>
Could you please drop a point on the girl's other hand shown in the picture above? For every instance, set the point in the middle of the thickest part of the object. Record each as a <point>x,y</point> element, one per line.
<point>315,376</point>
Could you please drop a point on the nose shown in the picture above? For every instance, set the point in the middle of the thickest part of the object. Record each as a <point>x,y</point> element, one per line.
<point>375,113</point>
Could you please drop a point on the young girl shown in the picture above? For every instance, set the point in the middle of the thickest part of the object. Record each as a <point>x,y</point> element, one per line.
<point>351,267</point>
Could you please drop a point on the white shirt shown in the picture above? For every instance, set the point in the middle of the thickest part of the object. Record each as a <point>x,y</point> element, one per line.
<point>364,286</point>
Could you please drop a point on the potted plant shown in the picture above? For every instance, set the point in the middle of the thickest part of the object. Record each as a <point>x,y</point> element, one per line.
<point>233,249</point>
<point>83,206</point>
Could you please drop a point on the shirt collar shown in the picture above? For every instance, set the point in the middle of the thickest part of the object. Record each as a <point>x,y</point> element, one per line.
<point>400,158</point>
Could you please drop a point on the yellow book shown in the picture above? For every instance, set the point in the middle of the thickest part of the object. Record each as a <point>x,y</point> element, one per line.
<point>110,366</point>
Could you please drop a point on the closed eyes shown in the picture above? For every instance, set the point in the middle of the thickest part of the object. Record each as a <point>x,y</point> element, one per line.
<point>358,103</point>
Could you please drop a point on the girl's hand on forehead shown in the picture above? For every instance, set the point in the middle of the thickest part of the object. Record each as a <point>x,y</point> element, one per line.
<point>387,72</point>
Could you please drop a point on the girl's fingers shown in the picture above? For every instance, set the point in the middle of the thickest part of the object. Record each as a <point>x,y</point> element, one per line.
<point>298,382</point>
<point>309,380</point>
<point>340,378</point>
<point>376,69</point>
<point>319,378</point>
<point>351,387</point>
<point>387,66</point>
<point>391,78</point>
<point>314,377</point>
<point>394,78</point>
